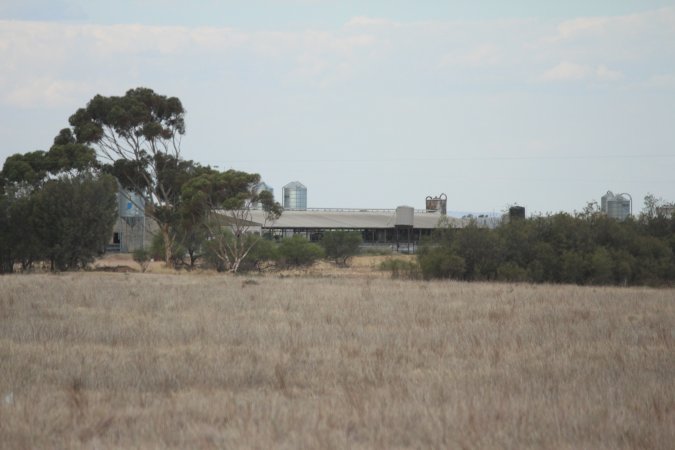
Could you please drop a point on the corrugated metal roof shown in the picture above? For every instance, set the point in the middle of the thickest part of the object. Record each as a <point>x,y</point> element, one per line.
<point>295,185</point>
<point>349,219</point>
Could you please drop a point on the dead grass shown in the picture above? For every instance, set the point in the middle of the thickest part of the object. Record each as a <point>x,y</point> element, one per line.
<point>211,361</point>
<point>358,266</point>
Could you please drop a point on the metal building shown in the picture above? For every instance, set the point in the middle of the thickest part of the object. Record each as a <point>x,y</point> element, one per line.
<point>295,196</point>
<point>399,229</point>
<point>131,230</point>
<point>666,210</point>
<point>617,206</point>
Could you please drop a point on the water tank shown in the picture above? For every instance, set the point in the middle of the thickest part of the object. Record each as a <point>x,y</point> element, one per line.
<point>439,203</point>
<point>405,216</point>
<point>294,196</point>
<point>130,204</point>
<point>516,212</point>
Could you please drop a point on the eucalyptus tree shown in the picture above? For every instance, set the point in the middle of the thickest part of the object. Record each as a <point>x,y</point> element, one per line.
<point>224,201</point>
<point>138,138</point>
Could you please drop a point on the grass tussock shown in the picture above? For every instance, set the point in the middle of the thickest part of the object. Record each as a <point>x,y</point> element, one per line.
<point>129,360</point>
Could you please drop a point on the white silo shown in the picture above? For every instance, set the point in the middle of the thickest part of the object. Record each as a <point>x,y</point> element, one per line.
<point>129,230</point>
<point>295,196</point>
<point>260,187</point>
<point>131,204</point>
<point>616,206</point>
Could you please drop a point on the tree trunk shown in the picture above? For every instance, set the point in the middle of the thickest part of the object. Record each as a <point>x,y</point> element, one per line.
<point>168,243</point>
<point>193,258</point>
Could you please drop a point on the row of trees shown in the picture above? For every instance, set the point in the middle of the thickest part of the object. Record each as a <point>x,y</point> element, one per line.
<point>583,248</point>
<point>54,207</point>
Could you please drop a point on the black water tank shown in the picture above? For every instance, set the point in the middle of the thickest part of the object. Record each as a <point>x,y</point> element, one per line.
<point>517,212</point>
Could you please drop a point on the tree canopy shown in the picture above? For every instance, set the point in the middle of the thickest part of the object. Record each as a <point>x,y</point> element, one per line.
<point>138,138</point>
<point>64,157</point>
<point>54,206</point>
<point>223,202</point>
<point>586,248</point>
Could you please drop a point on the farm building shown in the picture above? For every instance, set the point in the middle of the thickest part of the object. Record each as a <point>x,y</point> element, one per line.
<point>400,228</point>
<point>132,230</point>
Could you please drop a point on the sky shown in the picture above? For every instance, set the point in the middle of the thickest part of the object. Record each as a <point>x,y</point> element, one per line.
<point>372,104</point>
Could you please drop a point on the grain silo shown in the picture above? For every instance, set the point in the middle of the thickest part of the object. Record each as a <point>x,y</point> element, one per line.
<point>260,187</point>
<point>131,205</point>
<point>617,206</point>
<point>129,231</point>
<point>295,196</point>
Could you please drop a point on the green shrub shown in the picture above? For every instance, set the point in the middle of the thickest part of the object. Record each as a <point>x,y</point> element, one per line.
<point>510,271</point>
<point>339,246</point>
<point>261,255</point>
<point>401,268</point>
<point>142,257</point>
<point>298,251</point>
<point>441,263</point>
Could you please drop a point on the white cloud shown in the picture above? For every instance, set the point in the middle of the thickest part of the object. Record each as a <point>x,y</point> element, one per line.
<point>626,25</point>
<point>41,58</point>
<point>634,39</point>
<point>582,26</point>
<point>661,81</point>
<point>45,92</point>
<point>52,57</point>
<point>569,71</point>
<point>602,73</point>
<point>363,21</point>
<point>482,55</point>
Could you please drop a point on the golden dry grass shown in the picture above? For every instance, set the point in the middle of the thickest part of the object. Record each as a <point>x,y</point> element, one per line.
<point>99,360</point>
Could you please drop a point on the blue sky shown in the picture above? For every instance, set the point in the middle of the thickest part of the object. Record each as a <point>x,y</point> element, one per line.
<point>373,103</point>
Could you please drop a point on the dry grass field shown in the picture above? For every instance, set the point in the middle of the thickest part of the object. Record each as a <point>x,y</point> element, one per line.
<point>126,360</point>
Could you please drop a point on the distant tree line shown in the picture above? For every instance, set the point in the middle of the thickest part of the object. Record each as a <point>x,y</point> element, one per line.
<point>583,248</point>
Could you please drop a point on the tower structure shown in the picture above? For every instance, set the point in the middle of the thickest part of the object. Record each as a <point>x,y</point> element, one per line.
<point>295,196</point>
